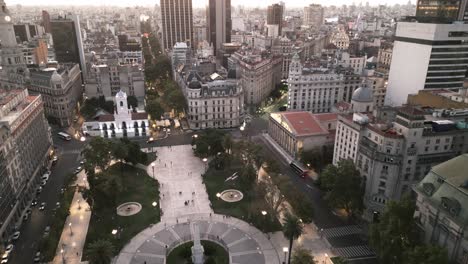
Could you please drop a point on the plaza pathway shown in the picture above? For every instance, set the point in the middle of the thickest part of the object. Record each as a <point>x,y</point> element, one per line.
<point>179,174</point>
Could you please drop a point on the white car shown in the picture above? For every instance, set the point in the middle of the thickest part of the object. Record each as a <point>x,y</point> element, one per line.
<point>37,257</point>
<point>9,248</point>
<point>45,177</point>
<point>43,183</point>
<point>42,207</point>
<point>15,235</point>
<point>5,258</point>
<point>77,170</point>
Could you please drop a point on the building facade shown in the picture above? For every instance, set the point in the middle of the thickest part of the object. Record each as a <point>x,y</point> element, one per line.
<point>444,10</point>
<point>219,23</point>
<point>392,156</point>
<point>121,124</point>
<point>302,131</point>
<point>177,22</point>
<point>442,199</point>
<point>25,149</point>
<point>313,16</point>
<point>275,16</point>
<point>313,90</point>
<point>426,56</point>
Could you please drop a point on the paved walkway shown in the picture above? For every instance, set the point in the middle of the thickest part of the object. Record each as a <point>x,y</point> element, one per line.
<point>179,174</point>
<point>72,240</point>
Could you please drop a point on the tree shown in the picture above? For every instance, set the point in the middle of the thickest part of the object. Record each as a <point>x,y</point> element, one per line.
<point>97,154</point>
<point>227,143</point>
<point>344,188</point>
<point>120,151</point>
<point>132,101</point>
<point>100,252</point>
<point>396,231</point>
<point>427,254</point>
<point>247,177</point>
<point>209,143</point>
<point>292,230</point>
<point>318,158</point>
<point>154,109</point>
<point>267,189</point>
<point>302,256</point>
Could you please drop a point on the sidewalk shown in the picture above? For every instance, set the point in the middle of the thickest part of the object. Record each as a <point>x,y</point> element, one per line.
<point>72,240</point>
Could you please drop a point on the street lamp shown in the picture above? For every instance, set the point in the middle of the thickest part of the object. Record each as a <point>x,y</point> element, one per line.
<point>63,256</point>
<point>71,231</point>
<point>264,213</point>
<point>114,232</point>
<point>152,166</point>
<point>195,136</point>
<point>218,195</point>
<point>82,139</point>
<point>79,204</point>
<point>285,250</point>
<point>205,160</point>
<point>154,204</point>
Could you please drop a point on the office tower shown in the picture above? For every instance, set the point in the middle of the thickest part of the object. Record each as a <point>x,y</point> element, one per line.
<point>177,22</point>
<point>46,21</point>
<point>219,23</point>
<point>442,10</point>
<point>275,16</point>
<point>426,56</point>
<point>313,15</point>
<point>68,44</point>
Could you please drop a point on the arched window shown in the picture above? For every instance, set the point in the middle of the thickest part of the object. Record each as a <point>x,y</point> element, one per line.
<point>121,103</point>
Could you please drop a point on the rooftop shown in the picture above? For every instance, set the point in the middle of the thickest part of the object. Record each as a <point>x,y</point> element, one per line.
<point>304,123</point>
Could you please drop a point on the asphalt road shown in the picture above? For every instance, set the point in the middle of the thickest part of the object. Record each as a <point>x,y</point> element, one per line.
<point>33,229</point>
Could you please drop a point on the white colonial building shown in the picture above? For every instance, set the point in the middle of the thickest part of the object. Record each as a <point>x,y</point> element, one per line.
<point>122,123</point>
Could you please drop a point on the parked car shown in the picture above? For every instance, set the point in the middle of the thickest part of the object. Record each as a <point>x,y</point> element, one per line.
<point>38,190</point>
<point>34,202</point>
<point>46,231</point>
<point>54,159</point>
<point>77,170</point>
<point>42,207</point>
<point>9,248</point>
<point>25,217</point>
<point>82,162</point>
<point>5,258</point>
<point>37,257</point>
<point>43,183</point>
<point>15,235</point>
<point>45,177</point>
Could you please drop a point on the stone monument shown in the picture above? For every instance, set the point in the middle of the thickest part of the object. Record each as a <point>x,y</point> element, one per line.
<point>197,248</point>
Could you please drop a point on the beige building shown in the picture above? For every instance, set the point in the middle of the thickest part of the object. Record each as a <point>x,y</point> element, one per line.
<point>442,207</point>
<point>301,131</point>
<point>340,39</point>
<point>313,16</point>
<point>392,156</point>
<point>259,74</point>
<point>25,148</point>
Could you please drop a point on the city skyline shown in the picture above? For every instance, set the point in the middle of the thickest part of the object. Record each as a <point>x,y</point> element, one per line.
<point>202,3</point>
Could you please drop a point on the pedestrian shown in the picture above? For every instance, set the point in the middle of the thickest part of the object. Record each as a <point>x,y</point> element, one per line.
<point>177,220</point>
<point>210,215</point>
<point>77,254</point>
<point>165,165</point>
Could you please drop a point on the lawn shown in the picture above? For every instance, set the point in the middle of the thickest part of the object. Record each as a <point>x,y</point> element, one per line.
<point>137,186</point>
<point>249,208</point>
<point>214,254</point>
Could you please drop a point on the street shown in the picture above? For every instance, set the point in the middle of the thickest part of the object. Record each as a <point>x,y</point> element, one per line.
<point>33,229</point>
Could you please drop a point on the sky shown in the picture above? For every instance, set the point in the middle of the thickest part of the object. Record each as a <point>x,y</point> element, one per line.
<point>201,3</point>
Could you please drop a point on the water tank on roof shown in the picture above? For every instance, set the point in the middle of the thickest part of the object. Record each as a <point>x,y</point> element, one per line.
<point>360,118</point>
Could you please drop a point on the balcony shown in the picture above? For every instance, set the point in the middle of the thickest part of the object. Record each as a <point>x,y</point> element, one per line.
<point>411,151</point>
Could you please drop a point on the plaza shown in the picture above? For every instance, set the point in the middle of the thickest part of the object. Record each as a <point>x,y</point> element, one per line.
<point>183,200</point>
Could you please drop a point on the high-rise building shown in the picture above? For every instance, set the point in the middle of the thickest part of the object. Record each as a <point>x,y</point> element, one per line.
<point>177,22</point>
<point>275,16</point>
<point>443,10</point>
<point>426,56</point>
<point>219,23</point>
<point>25,147</point>
<point>46,21</point>
<point>68,43</point>
<point>313,15</point>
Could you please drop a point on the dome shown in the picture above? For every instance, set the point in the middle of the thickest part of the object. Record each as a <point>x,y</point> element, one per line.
<point>194,84</point>
<point>363,94</point>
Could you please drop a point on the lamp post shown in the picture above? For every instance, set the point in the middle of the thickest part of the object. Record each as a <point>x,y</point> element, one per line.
<point>79,204</point>
<point>152,166</point>
<point>285,250</point>
<point>82,139</point>
<point>71,231</point>
<point>218,195</point>
<point>154,204</point>
<point>205,160</point>
<point>264,213</point>
<point>326,258</point>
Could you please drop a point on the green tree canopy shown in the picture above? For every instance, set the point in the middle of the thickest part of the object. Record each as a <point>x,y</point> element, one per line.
<point>302,256</point>
<point>209,143</point>
<point>97,154</point>
<point>396,231</point>
<point>344,187</point>
<point>101,252</point>
<point>427,254</point>
<point>154,109</point>
<point>132,101</point>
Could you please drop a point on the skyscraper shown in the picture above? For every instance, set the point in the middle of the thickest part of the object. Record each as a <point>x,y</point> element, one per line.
<point>448,10</point>
<point>275,16</point>
<point>68,44</point>
<point>219,23</point>
<point>177,22</point>
<point>313,15</point>
<point>426,56</point>
<point>46,21</point>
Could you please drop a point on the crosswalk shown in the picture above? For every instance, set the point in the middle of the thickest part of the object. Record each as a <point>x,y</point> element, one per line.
<point>354,251</point>
<point>341,231</point>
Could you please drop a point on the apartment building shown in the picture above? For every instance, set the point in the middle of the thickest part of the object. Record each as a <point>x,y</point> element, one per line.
<point>25,149</point>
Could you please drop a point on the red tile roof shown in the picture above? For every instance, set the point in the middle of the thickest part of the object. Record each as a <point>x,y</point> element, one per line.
<point>106,118</point>
<point>326,117</point>
<point>304,123</point>
<point>139,116</point>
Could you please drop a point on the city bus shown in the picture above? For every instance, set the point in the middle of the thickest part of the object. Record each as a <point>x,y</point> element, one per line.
<point>64,136</point>
<point>299,169</point>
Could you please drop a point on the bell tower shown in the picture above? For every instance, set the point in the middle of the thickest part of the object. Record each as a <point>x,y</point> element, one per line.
<point>7,33</point>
